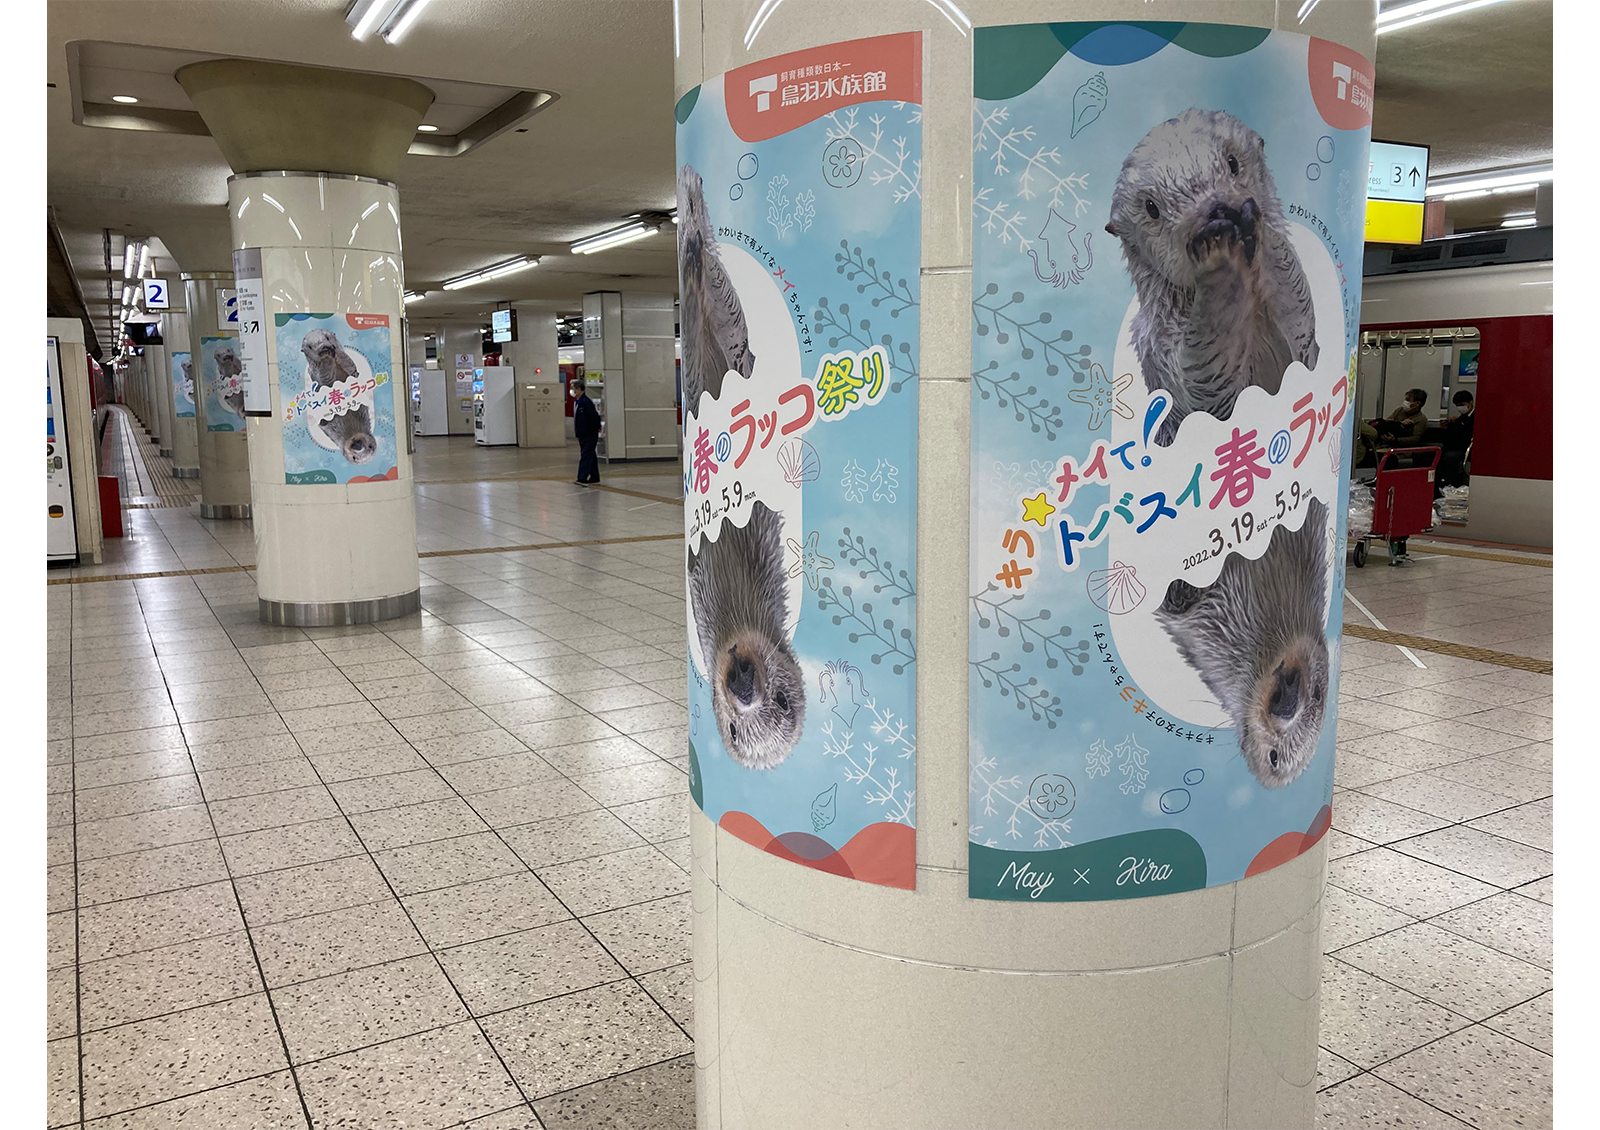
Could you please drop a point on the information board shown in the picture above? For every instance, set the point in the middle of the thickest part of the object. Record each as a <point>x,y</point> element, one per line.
<point>1397,185</point>
<point>253,331</point>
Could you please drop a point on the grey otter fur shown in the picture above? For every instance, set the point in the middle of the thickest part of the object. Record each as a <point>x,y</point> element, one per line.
<point>1257,637</point>
<point>739,594</point>
<point>1223,302</point>
<point>327,363</point>
<point>712,327</point>
<point>227,362</point>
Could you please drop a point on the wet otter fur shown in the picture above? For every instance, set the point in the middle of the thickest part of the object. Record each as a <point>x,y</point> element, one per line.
<point>1257,638</point>
<point>227,361</point>
<point>328,363</point>
<point>1223,302</point>
<point>716,340</point>
<point>739,593</point>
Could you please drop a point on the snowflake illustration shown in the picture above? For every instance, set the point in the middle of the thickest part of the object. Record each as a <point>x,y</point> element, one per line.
<point>885,481</point>
<point>893,166</point>
<point>1097,762</point>
<point>1016,151</point>
<point>881,782</point>
<point>854,482</point>
<point>1133,765</point>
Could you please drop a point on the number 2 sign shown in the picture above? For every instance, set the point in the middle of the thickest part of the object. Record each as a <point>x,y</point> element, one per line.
<point>155,294</point>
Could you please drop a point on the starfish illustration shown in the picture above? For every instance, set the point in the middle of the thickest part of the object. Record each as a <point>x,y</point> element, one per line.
<point>1037,509</point>
<point>1103,396</point>
<point>808,559</point>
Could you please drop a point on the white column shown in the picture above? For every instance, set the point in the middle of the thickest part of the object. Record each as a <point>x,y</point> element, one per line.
<point>339,552</point>
<point>822,1002</point>
<point>155,368</point>
<point>222,443</point>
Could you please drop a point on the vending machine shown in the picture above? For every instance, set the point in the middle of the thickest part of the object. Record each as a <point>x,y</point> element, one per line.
<point>494,409</point>
<point>62,536</point>
<point>430,415</point>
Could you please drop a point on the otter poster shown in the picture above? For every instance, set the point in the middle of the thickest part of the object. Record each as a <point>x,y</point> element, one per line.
<point>1167,241</point>
<point>221,374</point>
<point>799,253</point>
<point>182,385</point>
<point>336,398</point>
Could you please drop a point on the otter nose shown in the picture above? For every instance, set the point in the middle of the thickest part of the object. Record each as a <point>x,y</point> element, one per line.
<point>742,679</point>
<point>1285,694</point>
<point>1249,214</point>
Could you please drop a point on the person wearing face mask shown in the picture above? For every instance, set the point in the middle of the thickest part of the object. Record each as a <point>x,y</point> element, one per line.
<point>1457,439</point>
<point>1403,427</point>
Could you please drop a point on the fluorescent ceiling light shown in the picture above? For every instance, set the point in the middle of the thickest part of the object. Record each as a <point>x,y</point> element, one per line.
<point>130,257</point>
<point>1420,12</point>
<point>409,297</point>
<point>427,129</point>
<point>364,15</point>
<point>127,296</point>
<point>499,270</point>
<point>1490,180</point>
<point>144,259</point>
<point>613,238</point>
<point>395,29</point>
<point>1520,222</point>
<point>125,99</point>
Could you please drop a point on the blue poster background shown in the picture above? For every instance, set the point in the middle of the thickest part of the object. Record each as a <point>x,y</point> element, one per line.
<point>1100,765</point>
<point>219,375</point>
<point>828,275</point>
<point>182,386</point>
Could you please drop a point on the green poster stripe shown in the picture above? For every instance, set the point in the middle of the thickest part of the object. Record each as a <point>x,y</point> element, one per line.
<point>685,105</point>
<point>1158,861</point>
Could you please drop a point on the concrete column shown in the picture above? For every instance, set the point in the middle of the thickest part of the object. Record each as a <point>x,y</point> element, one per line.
<point>185,444</point>
<point>155,371</point>
<point>822,1002</point>
<point>328,231</point>
<point>221,443</point>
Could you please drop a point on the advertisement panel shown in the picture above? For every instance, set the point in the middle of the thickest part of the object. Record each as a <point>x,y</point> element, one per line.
<point>1167,251</point>
<point>335,395</point>
<point>799,253</point>
<point>182,385</point>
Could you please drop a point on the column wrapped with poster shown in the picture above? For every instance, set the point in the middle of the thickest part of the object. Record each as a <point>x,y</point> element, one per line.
<point>1167,265</point>
<point>799,241</point>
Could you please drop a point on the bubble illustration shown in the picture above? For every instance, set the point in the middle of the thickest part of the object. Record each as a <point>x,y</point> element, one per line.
<point>748,164</point>
<point>1194,776</point>
<point>1174,801</point>
<point>1324,149</point>
<point>735,191</point>
<point>1313,171</point>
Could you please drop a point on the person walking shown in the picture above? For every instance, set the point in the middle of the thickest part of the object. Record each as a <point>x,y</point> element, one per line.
<point>586,426</point>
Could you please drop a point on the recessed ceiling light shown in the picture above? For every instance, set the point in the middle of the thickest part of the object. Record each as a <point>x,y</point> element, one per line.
<point>427,129</point>
<point>125,99</point>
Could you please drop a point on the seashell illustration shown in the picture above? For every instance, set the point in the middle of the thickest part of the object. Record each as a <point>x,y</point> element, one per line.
<point>799,462</point>
<point>1088,101</point>
<point>824,807</point>
<point>1116,590</point>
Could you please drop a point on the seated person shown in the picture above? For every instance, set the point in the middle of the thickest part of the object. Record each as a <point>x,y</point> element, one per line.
<point>1404,426</point>
<point>1457,438</point>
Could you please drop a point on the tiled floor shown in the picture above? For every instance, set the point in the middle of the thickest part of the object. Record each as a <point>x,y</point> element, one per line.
<point>433,873</point>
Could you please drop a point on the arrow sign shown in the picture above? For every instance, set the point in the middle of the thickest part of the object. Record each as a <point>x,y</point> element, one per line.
<point>1415,173</point>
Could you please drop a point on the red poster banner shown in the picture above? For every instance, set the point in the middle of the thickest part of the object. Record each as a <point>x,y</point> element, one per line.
<point>785,92</point>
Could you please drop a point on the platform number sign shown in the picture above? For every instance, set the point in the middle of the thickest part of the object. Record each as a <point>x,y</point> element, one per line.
<point>252,326</point>
<point>227,309</point>
<point>155,294</point>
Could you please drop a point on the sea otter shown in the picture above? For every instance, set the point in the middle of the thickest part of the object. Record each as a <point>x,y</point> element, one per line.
<point>716,340</point>
<point>327,362</point>
<point>1223,303</point>
<point>1256,636</point>
<point>739,594</point>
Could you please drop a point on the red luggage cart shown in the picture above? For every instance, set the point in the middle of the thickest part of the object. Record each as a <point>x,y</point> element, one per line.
<point>1402,500</point>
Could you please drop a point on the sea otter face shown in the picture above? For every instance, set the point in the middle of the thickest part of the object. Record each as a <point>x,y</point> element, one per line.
<point>360,447</point>
<point>1282,722</point>
<point>758,696</point>
<point>1191,196</point>
<point>227,362</point>
<point>320,346</point>
<point>692,222</point>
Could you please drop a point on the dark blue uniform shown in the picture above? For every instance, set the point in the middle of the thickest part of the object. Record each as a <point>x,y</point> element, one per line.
<point>586,426</point>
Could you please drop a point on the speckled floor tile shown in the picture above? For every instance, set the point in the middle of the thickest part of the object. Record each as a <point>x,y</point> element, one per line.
<point>133,874</point>
<point>673,990</point>
<point>528,966</point>
<point>158,981</point>
<point>1511,923</point>
<point>1531,1022</point>
<point>178,1054</point>
<point>568,1041</point>
<point>1505,863</point>
<point>521,804</point>
<point>1449,970</point>
<point>1368,1103</point>
<point>607,882</point>
<point>658,1097</point>
<point>142,831</point>
<point>491,773</point>
<point>447,863</point>
<point>490,907</point>
<point>578,836</point>
<point>272,810</point>
<point>269,1102</point>
<point>62,1066</point>
<point>1348,918</point>
<point>295,845</point>
<point>1333,1069</point>
<point>1526,824</point>
<point>365,1006</point>
<point>151,921</point>
<point>1480,1076</point>
<point>325,944</point>
<point>314,888</point>
<point>1367,1021</point>
<point>1409,885</point>
<point>417,823</point>
<point>646,936</point>
<point>658,819</point>
<point>433,1079</point>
